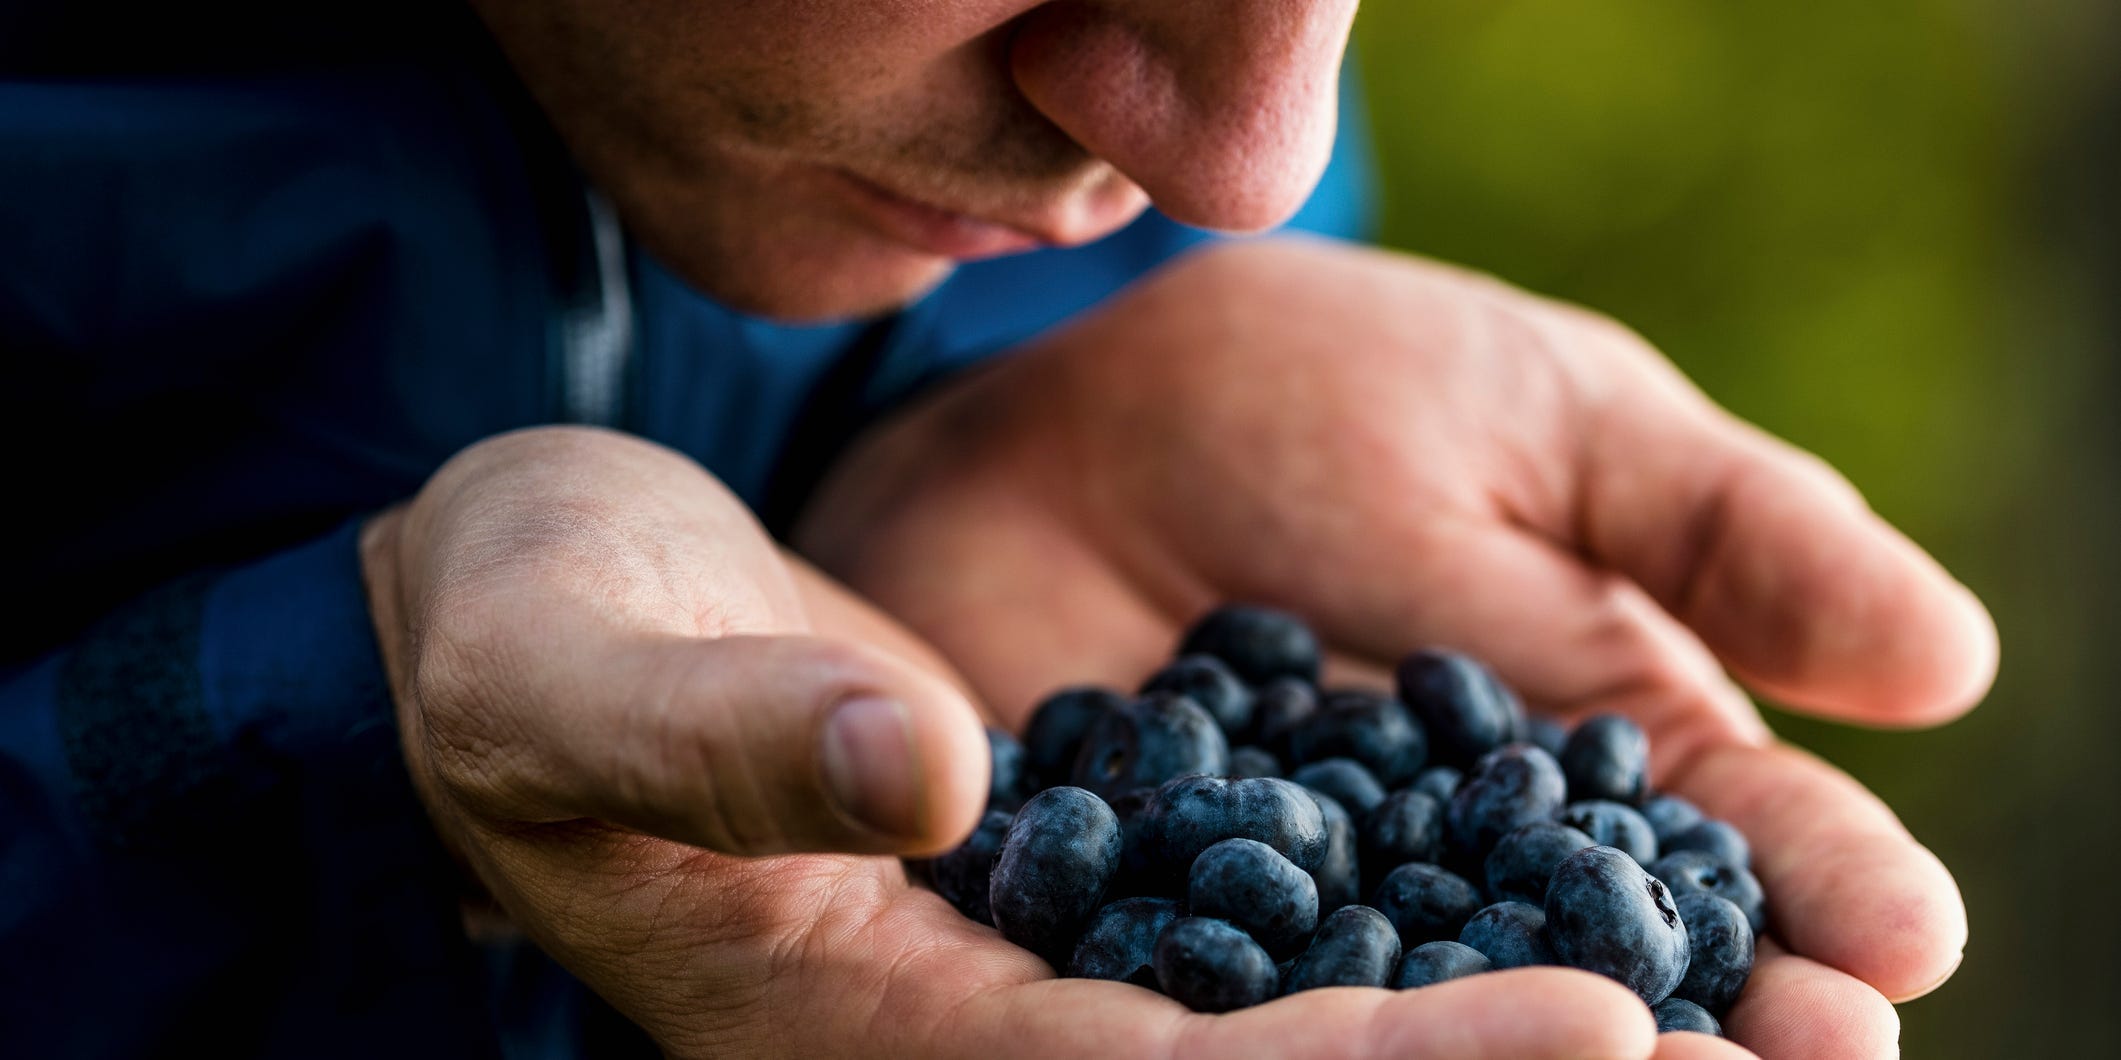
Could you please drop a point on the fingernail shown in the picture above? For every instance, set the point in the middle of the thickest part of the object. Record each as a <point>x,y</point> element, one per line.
<point>867,755</point>
<point>1940,981</point>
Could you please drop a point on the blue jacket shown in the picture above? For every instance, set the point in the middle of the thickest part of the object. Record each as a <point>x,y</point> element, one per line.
<point>261,271</point>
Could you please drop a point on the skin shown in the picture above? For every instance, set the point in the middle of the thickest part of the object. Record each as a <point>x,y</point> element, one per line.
<point>613,688</point>
<point>725,131</point>
<point>1482,469</point>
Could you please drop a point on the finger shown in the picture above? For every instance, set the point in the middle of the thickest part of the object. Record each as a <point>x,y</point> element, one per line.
<point>1688,1045</point>
<point>1527,1013</point>
<point>1797,1009</point>
<point>1775,560</point>
<point>746,745</point>
<point>1846,884</point>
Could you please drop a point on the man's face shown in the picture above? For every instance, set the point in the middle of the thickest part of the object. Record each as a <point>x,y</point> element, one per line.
<point>808,159</point>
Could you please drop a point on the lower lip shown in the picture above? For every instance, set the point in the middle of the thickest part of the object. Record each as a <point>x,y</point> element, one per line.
<point>936,231</point>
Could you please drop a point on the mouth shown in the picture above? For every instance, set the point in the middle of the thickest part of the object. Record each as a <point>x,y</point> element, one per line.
<point>948,233</point>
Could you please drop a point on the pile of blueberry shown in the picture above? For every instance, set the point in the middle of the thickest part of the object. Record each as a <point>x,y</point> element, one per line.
<point>1126,839</point>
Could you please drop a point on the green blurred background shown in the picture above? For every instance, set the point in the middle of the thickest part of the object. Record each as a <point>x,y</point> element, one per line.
<point>1884,231</point>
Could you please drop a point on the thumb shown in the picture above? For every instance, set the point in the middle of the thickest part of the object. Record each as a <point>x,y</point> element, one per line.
<point>758,745</point>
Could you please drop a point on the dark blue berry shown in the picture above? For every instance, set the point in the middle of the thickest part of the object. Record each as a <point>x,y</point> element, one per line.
<point>1149,741</point>
<point>1699,870</point>
<point>1120,942</point>
<point>1206,681</point>
<point>1523,861</point>
<point>1678,1014</point>
<point>1137,864</point>
<point>1010,781</point>
<point>1606,914</point>
<point>1440,782</point>
<point>1276,708</point>
<point>1339,876</point>
<point>1061,852</point>
<point>1345,780</point>
<point>1425,902</point>
<point>1246,883</point>
<point>1720,951</point>
<point>1463,708</point>
<point>1356,946</point>
<point>960,875</point>
<point>1259,643</point>
<point>1439,961</point>
<point>1607,757</point>
<point>1613,824</point>
<point>1510,787</point>
<point>1511,935</point>
<point>1211,965</point>
<point>1714,837</point>
<point>1407,826</point>
<point>1546,734</point>
<point>1191,814</point>
<point>1369,727</point>
<point>1670,815</point>
<point>1055,733</point>
<point>1251,762</point>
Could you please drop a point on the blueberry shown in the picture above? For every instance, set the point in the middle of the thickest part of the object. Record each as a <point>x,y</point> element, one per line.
<point>1369,727</point>
<point>1149,741</point>
<point>1191,814</point>
<point>1720,949</point>
<point>1714,837</point>
<point>1463,708</point>
<point>1010,782</point>
<point>1055,733</point>
<point>960,875</point>
<point>1546,734</point>
<point>1206,681</point>
<point>1606,914</point>
<point>1607,757</point>
<point>1612,824</point>
<point>1523,861</point>
<point>1276,708</point>
<point>1699,870</point>
<point>1250,762</point>
<point>1246,883</point>
<point>1137,864</point>
<point>1356,946</point>
<point>1510,934</point>
<point>1345,780</point>
<point>1339,876</point>
<point>1441,782</point>
<point>1425,903</point>
<point>1439,961</point>
<point>1259,643</point>
<point>1510,787</point>
<point>1678,1014</point>
<point>1210,965</point>
<point>1407,826</point>
<point>1120,943</point>
<point>1061,852</point>
<point>1670,815</point>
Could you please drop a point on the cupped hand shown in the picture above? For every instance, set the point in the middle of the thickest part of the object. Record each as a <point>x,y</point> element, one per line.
<point>620,706</point>
<point>1407,454</point>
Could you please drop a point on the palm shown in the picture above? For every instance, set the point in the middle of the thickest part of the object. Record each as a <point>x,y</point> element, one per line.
<point>1476,469</point>
<point>824,954</point>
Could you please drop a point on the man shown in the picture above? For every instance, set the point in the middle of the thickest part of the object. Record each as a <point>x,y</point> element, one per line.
<point>307,286</point>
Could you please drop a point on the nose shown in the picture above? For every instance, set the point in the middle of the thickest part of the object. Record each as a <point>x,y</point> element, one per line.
<point>1223,111</point>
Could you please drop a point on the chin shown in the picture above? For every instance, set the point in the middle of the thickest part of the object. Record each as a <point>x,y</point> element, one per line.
<point>805,281</point>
